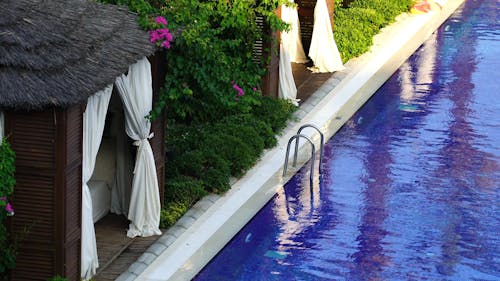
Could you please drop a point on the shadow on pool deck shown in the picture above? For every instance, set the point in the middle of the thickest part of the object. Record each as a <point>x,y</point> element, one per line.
<point>117,252</point>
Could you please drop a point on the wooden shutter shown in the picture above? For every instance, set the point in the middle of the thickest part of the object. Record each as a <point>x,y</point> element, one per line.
<point>47,195</point>
<point>266,50</point>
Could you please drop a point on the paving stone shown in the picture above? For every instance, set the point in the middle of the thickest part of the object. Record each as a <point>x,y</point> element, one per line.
<point>137,268</point>
<point>341,75</point>
<point>147,258</point>
<point>300,113</point>
<point>203,205</point>
<point>166,239</point>
<point>186,221</point>
<point>176,230</point>
<point>212,197</point>
<point>156,249</point>
<point>314,100</point>
<point>196,213</point>
<point>308,107</point>
<point>126,276</point>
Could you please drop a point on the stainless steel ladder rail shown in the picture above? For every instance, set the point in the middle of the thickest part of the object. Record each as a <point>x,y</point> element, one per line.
<point>322,139</point>
<point>313,154</point>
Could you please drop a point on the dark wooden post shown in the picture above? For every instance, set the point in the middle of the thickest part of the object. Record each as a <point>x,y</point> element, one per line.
<point>268,49</point>
<point>158,72</point>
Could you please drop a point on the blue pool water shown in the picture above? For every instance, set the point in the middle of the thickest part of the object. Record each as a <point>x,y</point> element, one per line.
<point>411,184</point>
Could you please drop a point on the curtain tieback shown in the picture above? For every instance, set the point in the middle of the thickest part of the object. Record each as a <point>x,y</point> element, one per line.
<point>138,142</point>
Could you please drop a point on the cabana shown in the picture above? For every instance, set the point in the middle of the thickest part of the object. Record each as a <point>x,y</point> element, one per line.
<point>75,74</point>
<point>310,23</point>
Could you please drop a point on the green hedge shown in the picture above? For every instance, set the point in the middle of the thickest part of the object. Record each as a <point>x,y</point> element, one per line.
<point>201,158</point>
<point>358,21</point>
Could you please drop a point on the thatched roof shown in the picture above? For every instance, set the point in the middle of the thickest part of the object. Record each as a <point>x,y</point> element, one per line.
<point>58,52</point>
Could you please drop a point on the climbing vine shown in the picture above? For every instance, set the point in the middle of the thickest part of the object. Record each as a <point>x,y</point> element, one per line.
<point>7,182</point>
<point>211,69</point>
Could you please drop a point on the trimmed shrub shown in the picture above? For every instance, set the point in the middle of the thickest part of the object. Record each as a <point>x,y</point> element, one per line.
<point>357,21</point>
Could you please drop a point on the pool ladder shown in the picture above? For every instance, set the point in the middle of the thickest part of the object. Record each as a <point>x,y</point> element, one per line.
<point>297,137</point>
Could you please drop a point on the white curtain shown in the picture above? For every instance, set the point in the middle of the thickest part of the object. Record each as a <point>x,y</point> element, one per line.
<point>94,118</point>
<point>323,50</point>
<point>291,39</point>
<point>286,87</point>
<point>137,95</point>
<point>1,126</point>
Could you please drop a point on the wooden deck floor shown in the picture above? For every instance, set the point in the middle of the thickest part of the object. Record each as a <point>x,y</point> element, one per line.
<point>117,252</point>
<point>307,82</point>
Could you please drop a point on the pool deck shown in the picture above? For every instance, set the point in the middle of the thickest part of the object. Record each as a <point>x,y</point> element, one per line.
<point>190,244</point>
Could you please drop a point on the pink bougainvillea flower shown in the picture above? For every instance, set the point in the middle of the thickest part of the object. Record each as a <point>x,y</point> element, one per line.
<point>165,44</point>
<point>238,89</point>
<point>9,209</point>
<point>162,35</point>
<point>155,35</point>
<point>169,37</point>
<point>3,198</point>
<point>164,32</point>
<point>254,89</point>
<point>161,20</point>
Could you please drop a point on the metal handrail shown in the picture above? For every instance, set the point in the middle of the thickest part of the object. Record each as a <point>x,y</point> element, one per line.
<point>322,139</point>
<point>313,154</point>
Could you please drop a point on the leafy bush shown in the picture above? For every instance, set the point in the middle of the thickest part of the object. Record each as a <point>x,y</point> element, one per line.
<point>171,212</point>
<point>184,189</point>
<point>203,157</point>
<point>7,182</point>
<point>388,10</point>
<point>273,112</point>
<point>357,21</point>
<point>211,55</point>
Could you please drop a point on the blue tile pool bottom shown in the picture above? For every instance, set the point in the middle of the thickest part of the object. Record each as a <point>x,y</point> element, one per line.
<point>410,185</point>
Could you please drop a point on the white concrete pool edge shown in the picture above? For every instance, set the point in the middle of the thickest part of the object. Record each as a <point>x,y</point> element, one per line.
<point>201,241</point>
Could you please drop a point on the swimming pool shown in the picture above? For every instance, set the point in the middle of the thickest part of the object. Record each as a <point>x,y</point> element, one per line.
<point>410,185</point>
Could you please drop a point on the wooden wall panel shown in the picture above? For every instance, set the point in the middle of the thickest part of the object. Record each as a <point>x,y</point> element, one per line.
<point>73,202</point>
<point>72,265</point>
<point>34,139</point>
<point>266,50</point>
<point>74,129</point>
<point>35,265</point>
<point>34,199</point>
<point>69,190</point>
<point>32,136</point>
<point>47,195</point>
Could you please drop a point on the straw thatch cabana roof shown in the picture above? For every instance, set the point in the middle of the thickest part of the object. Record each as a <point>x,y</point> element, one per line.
<point>58,52</point>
